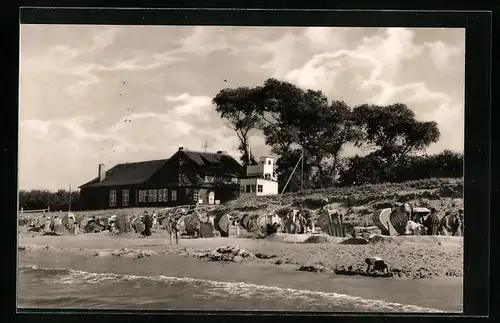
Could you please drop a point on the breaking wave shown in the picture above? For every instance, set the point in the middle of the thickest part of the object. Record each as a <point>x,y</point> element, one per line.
<point>198,293</point>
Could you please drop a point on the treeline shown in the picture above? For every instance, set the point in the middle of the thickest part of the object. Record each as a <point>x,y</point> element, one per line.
<point>301,122</point>
<point>42,199</point>
<point>372,170</point>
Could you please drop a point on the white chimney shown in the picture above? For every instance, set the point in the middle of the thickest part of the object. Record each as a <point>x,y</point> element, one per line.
<point>102,172</point>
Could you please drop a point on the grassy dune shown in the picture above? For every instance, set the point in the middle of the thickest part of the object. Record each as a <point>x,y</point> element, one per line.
<point>356,202</point>
<point>415,257</point>
<point>359,202</point>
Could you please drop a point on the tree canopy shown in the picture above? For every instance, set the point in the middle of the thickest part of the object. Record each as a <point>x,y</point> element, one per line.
<point>239,108</point>
<point>296,121</point>
<point>393,130</point>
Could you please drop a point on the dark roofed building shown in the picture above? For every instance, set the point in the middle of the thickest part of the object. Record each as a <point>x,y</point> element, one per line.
<point>188,177</point>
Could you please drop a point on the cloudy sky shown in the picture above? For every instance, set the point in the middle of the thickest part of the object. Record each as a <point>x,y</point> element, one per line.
<point>111,94</point>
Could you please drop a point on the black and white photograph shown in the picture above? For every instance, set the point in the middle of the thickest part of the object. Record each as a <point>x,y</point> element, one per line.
<point>241,168</point>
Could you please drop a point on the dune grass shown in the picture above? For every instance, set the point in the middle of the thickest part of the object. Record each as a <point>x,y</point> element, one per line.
<point>357,202</point>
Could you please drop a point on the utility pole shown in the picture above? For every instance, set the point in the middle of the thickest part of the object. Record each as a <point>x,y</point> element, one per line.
<point>289,178</point>
<point>205,146</point>
<point>302,172</point>
<point>69,207</point>
<point>249,154</point>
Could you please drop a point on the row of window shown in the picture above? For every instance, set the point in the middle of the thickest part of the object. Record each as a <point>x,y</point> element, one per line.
<point>150,195</point>
<point>157,195</point>
<point>125,197</point>
<point>251,188</point>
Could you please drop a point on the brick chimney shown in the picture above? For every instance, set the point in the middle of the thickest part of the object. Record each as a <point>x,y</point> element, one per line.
<point>181,148</point>
<point>102,172</point>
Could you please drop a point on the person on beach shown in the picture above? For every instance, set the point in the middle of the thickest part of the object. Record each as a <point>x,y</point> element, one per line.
<point>174,228</point>
<point>302,223</point>
<point>444,225</point>
<point>376,264</point>
<point>432,223</point>
<point>148,223</point>
<point>457,225</point>
<point>462,221</point>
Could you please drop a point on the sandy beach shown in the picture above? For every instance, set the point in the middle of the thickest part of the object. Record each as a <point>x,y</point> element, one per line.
<point>431,267</point>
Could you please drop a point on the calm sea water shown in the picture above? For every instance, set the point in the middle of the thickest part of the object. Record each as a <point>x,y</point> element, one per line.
<point>66,288</point>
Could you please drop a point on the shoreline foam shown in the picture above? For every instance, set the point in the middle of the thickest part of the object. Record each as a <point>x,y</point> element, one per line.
<point>241,288</point>
<point>161,259</point>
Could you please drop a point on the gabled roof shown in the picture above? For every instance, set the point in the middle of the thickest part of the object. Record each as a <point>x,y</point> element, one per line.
<point>128,173</point>
<point>140,172</point>
<point>224,164</point>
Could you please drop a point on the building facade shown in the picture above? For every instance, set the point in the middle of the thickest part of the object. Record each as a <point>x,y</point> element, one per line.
<point>260,179</point>
<point>186,178</point>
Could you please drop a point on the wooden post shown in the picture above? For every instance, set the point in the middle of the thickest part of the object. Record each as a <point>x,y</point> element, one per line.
<point>302,172</point>
<point>249,153</point>
<point>69,206</point>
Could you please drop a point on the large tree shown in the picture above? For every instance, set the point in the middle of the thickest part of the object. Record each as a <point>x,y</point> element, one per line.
<point>240,108</point>
<point>296,118</point>
<point>394,131</point>
<point>293,120</point>
<point>279,100</point>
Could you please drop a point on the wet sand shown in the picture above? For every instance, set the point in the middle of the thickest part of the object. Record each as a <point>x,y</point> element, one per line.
<point>155,256</point>
<point>416,256</point>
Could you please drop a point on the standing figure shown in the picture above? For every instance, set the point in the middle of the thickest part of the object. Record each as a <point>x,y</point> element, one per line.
<point>457,225</point>
<point>444,225</point>
<point>293,228</point>
<point>148,223</point>
<point>432,223</point>
<point>173,229</point>
<point>302,223</point>
<point>462,221</point>
<point>285,223</point>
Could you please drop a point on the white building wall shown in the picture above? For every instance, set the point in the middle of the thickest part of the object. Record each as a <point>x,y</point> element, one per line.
<point>268,187</point>
<point>268,165</point>
<point>264,167</point>
<point>260,174</point>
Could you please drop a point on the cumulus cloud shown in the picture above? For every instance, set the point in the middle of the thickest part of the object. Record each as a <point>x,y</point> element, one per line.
<point>375,68</point>
<point>443,55</point>
<point>128,93</point>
